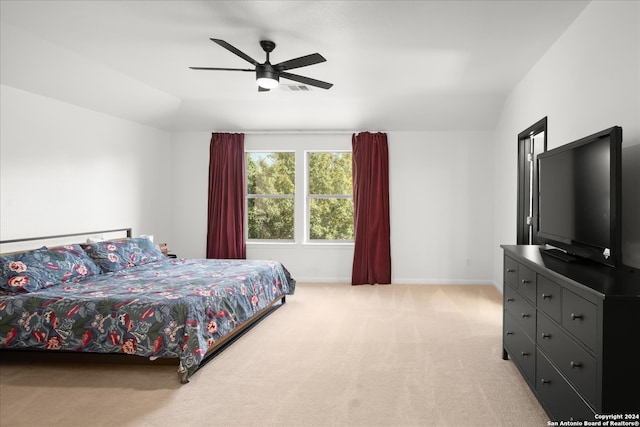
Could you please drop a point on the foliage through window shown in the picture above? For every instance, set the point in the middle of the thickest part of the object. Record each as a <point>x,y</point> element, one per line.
<point>329,196</point>
<point>270,195</point>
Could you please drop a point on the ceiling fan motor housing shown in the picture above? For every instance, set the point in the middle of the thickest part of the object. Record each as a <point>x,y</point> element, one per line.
<point>266,71</point>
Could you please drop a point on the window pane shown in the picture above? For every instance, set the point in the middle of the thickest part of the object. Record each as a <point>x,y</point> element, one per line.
<point>271,173</point>
<point>330,173</point>
<point>270,218</point>
<point>331,219</point>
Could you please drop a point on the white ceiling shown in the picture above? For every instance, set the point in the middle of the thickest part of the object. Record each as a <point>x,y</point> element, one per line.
<point>395,65</point>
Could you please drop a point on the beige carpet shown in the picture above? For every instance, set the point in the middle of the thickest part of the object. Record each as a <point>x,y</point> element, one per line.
<point>334,355</point>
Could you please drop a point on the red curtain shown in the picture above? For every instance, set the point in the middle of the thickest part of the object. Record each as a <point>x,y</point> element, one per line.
<point>225,228</point>
<point>372,252</point>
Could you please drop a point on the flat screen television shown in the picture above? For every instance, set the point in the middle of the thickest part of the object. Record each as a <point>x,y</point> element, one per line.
<point>579,187</point>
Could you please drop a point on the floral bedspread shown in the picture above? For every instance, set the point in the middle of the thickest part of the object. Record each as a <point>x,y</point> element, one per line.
<point>176,308</point>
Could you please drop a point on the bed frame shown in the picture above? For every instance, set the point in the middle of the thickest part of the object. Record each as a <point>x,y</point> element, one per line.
<point>220,346</point>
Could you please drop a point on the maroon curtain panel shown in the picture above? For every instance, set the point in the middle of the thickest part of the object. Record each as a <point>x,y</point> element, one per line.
<point>372,251</point>
<point>225,226</point>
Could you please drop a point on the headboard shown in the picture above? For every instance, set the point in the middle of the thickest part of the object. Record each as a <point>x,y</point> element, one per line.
<point>17,245</point>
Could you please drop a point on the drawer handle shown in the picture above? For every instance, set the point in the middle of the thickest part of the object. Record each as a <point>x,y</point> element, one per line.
<point>546,335</point>
<point>525,315</point>
<point>575,365</point>
<point>509,332</point>
<point>510,300</point>
<point>576,316</point>
<point>524,354</point>
<point>546,296</point>
<point>543,381</point>
<point>525,281</point>
<point>510,270</point>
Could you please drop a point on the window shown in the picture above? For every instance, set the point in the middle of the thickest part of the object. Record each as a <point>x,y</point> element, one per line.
<point>270,195</point>
<point>329,204</point>
<point>276,212</point>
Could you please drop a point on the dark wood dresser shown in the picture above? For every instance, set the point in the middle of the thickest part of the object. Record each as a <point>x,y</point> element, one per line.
<point>573,331</point>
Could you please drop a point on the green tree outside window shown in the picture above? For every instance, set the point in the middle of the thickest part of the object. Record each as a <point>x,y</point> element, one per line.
<point>330,199</point>
<point>271,196</point>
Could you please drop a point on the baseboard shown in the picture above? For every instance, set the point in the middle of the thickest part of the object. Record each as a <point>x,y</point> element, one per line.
<point>316,279</point>
<point>442,282</point>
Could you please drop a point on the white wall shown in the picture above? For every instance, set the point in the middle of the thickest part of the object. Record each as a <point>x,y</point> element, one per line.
<point>440,196</point>
<point>66,169</point>
<point>190,160</point>
<point>588,81</point>
<point>189,186</point>
<point>441,206</point>
<point>453,194</point>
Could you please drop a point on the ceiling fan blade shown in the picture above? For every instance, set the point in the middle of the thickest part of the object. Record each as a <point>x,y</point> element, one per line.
<point>221,69</point>
<point>303,61</point>
<point>307,80</point>
<point>236,51</point>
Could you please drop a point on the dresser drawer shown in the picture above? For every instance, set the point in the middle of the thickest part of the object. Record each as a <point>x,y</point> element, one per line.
<point>519,346</point>
<point>580,317</point>
<point>527,282</point>
<point>549,298</point>
<point>558,396</point>
<point>510,272</point>
<point>577,365</point>
<point>521,309</point>
<point>586,334</point>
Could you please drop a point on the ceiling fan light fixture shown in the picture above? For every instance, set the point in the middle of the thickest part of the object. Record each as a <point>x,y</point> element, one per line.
<point>267,82</point>
<point>267,79</point>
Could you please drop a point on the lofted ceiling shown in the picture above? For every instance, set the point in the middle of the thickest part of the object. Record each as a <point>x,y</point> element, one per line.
<point>395,65</point>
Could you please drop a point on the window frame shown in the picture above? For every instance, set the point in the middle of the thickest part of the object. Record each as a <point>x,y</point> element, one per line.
<point>278,141</point>
<point>308,197</point>
<point>269,196</point>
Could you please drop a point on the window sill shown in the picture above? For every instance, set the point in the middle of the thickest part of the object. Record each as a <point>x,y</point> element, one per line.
<point>325,244</point>
<point>271,243</point>
<point>304,244</point>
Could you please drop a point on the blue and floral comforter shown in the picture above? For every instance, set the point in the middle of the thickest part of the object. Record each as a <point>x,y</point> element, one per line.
<point>177,308</point>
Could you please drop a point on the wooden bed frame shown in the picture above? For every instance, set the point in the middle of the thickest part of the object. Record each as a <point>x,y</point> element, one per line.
<point>220,346</point>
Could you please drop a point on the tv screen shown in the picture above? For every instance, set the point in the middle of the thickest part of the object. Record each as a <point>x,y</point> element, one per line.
<point>579,197</point>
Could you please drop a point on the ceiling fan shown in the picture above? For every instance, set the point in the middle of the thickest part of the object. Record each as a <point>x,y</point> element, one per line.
<point>267,75</point>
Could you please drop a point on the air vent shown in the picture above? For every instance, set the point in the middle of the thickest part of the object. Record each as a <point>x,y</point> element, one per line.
<point>298,88</point>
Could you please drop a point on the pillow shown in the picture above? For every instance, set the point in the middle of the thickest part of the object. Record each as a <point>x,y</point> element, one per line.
<point>115,255</point>
<point>24,271</point>
<point>73,263</point>
<point>42,268</point>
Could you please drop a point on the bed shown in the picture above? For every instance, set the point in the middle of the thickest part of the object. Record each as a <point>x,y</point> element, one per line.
<point>124,296</point>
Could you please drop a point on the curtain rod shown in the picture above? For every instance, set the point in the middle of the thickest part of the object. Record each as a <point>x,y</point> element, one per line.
<point>286,132</point>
